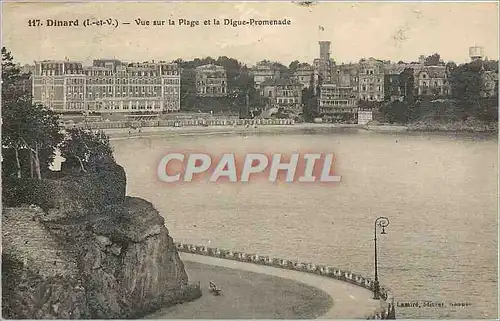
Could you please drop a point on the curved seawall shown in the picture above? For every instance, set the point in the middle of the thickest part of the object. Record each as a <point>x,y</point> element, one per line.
<point>387,310</point>
<point>182,123</point>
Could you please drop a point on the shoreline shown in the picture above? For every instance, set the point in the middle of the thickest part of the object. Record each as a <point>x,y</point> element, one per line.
<point>145,132</point>
<point>123,133</point>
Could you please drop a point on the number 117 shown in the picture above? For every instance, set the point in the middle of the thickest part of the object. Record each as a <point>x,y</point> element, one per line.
<point>34,23</point>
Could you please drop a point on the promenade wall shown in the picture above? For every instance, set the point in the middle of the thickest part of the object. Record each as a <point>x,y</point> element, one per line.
<point>182,122</point>
<point>387,310</point>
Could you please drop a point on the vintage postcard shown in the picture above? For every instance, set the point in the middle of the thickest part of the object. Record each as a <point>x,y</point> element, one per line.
<point>249,160</point>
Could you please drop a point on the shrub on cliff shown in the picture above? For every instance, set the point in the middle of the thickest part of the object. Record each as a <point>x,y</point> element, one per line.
<point>85,150</point>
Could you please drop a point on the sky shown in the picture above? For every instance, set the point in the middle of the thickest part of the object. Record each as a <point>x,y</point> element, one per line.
<point>384,30</point>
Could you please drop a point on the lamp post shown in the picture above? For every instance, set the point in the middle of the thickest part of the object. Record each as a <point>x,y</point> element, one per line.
<point>382,222</point>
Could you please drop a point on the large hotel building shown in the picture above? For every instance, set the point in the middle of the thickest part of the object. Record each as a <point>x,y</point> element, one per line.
<point>211,81</point>
<point>108,85</point>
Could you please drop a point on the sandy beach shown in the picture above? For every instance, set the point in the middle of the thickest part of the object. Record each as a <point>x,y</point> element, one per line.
<point>123,133</point>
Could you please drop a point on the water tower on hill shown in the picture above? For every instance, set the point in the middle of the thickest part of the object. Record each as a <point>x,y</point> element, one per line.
<point>476,53</point>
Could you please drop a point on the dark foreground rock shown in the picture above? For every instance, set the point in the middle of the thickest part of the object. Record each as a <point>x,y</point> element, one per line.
<point>79,259</point>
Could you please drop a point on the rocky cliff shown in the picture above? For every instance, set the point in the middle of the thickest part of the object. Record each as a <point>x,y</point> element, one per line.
<point>85,250</point>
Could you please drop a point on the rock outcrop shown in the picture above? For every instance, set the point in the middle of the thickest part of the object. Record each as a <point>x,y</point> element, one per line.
<point>85,250</point>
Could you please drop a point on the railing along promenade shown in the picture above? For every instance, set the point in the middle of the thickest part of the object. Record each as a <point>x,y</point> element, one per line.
<point>181,123</point>
<point>387,312</point>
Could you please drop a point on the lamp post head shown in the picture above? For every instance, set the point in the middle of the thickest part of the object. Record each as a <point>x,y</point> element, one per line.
<point>382,222</point>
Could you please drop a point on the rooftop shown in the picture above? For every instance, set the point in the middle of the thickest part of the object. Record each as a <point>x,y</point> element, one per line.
<point>434,71</point>
<point>280,82</point>
<point>210,67</point>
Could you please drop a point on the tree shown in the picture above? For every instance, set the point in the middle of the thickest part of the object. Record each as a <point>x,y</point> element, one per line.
<point>284,71</point>
<point>490,65</point>
<point>208,61</point>
<point>12,95</point>
<point>433,60</point>
<point>39,131</point>
<point>86,150</point>
<point>451,65</point>
<point>25,126</point>
<point>233,69</point>
<point>188,89</point>
<point>400,112</point>
<point>466,84</point>
<point>309,102</point>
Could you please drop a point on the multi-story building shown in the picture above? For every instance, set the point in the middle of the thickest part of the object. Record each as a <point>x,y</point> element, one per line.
<point>150,86</point>
<point>304,75</point>
<point>371,79</point>
<point>263,71</point>
<point>25,82</point>
<point>211,81</point>
<point>338,102</point>
<point>57,83</point>
<point>345,75</point>
<point>324,69</point>
<point>398,82</point>
<point>432,80</point>
<point>107,86</point>
<point>284,94</point>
